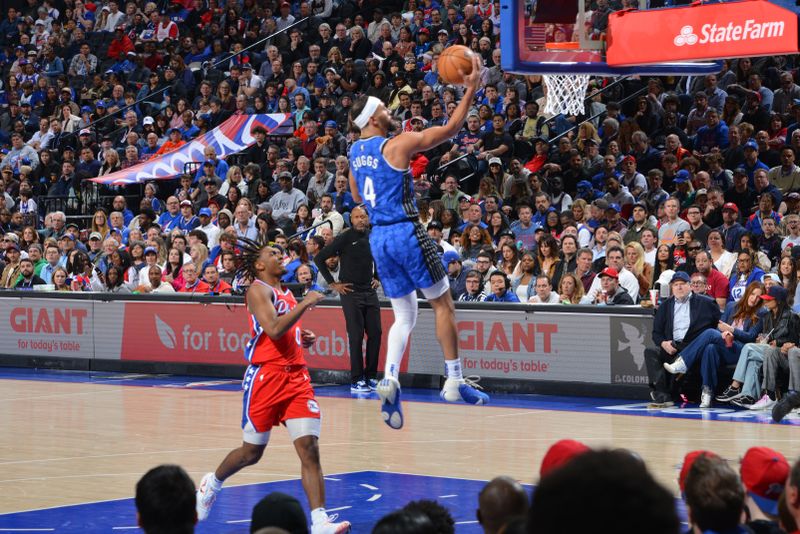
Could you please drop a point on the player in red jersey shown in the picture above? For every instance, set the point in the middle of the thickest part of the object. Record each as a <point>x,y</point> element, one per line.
<point>277,387</point>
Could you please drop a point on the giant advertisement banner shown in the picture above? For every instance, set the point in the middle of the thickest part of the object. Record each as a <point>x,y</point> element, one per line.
<point>524,344</point>
<point>58,328</point>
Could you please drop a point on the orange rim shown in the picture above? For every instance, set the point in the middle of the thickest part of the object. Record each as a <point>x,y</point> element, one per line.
<point>570,45</point>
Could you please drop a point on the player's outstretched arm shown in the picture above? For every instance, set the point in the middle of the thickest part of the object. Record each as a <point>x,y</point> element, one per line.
<point>259,299</point>
<point>409,143</point>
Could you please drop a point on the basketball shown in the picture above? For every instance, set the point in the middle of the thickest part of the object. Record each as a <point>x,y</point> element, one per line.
<point>453,59</point>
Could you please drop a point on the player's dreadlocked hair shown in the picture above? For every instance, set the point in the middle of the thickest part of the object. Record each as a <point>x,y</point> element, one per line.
<point>246,260</point>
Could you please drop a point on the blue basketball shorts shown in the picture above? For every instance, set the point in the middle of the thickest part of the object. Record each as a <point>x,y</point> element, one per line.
<point>406,258</point>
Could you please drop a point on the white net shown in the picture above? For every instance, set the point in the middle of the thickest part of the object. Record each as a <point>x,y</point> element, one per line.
<point>565,93</point>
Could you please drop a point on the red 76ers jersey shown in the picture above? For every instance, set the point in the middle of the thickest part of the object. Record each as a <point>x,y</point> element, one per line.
<point>286,350</point>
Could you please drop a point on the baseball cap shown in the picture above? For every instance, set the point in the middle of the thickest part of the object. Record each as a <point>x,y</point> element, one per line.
<point>449,257</point>
<point>100,104</point>
<point>493,161</point>
<point>640,204</point>
<point>95,235</point>
<point>172,130</point>
<point>13,246</point>
<point>87,109</point>
<point>559,454</point>
<point>751,144</point>
<point>680,276</point>
<point>681,177</point>
<point>204,212</point>
<point>764,472</point>
<point>436,225</point>
<point>700,192</point>
<point>792,196</point>
<point>150,250</point>
<point>72,225</point>
<point>688,460</point>
<point>584,184</point>
<point>740,170</point>
<point>331,124</point>
<point>67,236</point>
<point>85,131</point>
<point>628,158</point>
<point>186,203</point>
<point>12,236</point>
<point>775,293</point>
<point>426,31</point>
<point>614,206</point>
<point>601,203</point>
<point>285,176</point>
<point>610,272</point>
<point>443,31</point>
<point>148,120</point>
<point>506,233</point>
<point>772,276</point>
<point>730,206</point>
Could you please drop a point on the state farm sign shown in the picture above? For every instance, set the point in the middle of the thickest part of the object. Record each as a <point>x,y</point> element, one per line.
<point>701,32</point>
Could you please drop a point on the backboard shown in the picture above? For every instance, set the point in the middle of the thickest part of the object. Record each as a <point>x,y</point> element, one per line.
<point>538,27</point>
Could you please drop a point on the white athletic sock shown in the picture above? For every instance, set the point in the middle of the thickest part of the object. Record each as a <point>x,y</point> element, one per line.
<point>215,482</point>
<point>453,369</point>
<point>318,516</point>
<point>405,317</point>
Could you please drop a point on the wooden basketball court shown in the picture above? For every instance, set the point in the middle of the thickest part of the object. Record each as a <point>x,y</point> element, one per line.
<point>67,443</point>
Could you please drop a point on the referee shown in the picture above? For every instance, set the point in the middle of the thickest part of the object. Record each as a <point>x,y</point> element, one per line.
<point>356,285</point>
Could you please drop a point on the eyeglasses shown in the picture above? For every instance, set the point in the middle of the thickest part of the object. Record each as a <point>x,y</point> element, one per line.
<point>698,283</point>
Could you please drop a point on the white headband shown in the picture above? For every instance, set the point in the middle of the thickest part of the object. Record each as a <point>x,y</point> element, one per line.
<point>369,110</point>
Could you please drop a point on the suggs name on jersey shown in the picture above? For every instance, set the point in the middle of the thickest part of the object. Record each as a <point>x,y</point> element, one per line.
<point>365,161</point>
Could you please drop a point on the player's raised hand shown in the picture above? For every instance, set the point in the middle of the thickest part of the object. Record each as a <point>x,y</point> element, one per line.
<point>473,79</point>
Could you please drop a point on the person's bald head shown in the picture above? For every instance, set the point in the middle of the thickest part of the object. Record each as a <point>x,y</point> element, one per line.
<point>501,499</point>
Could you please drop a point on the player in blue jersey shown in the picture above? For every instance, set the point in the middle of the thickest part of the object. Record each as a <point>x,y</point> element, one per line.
<point>405,256</point>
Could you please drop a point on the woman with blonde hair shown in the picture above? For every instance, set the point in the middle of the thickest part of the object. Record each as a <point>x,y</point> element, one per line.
<point>570,289</point>
<point>587,131</point>
<point>199,255</point>
<point>634,262</point>
<point>234,178</point>
<point>100,223</point>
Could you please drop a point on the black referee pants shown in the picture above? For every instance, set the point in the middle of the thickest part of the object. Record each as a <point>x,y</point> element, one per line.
<point>362,314</point>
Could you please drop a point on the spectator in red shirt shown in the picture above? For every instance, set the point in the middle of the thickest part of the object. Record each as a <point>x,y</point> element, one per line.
<point>192,283</point>
<point>215,285</point>
<point>716,281</point>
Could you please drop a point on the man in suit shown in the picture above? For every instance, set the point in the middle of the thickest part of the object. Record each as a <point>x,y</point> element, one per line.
<point>678,321</point>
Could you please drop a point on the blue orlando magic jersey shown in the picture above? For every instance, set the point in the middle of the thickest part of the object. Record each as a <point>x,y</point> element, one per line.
<point>388,193</point>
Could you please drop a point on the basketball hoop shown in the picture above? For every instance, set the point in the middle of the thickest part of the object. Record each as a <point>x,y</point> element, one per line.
<point>565,92</point>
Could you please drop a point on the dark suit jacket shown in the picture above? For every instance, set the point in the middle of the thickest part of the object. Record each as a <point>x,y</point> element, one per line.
<point>704,313</point>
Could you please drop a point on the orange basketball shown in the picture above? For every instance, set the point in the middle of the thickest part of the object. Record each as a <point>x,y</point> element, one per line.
<point>453,59</point>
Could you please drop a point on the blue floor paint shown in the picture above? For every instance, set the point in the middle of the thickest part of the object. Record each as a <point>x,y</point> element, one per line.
<point>367,496</point>
<point>361,498</point>
<point>720,413</point>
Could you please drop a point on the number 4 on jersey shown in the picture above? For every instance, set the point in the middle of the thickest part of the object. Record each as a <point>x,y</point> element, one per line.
<point>369,191</point>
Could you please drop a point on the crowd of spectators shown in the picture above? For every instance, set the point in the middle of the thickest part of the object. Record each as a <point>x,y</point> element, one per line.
<point>611,488</point>
<point>669,174</point>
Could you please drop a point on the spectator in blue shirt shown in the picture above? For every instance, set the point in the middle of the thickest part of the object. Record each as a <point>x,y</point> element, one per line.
<point>500,285</point>
<point>187,220</point>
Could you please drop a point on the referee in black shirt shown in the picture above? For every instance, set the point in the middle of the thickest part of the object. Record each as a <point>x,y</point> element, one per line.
<point>356,285</point>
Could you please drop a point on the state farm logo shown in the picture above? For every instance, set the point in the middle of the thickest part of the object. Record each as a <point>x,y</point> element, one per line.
<point>686,37</point>
<point>730,33</point>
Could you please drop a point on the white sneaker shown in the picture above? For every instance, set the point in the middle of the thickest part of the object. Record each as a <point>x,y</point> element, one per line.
<point>678,367</point>
<point>464,389</point>
<point>705,397</point>
<point>206,495</point>
<point>764,403</point>
<point>329,527</point>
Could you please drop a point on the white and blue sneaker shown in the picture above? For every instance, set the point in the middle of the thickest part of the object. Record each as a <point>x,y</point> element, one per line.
<point>359,387</point>
<point>389,392</point>
<point>464,389</point>
<point>372,384</point>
